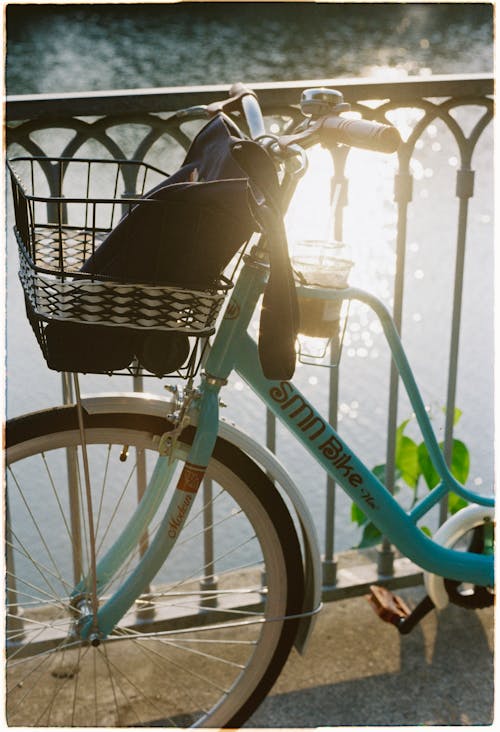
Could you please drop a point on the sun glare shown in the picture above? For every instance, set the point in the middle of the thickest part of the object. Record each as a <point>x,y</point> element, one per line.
<point>309,215</point>
<point>369,223</point>
<point>369,219</point>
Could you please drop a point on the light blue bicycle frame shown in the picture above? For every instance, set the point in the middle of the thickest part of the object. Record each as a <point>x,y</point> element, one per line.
<point>234,349</point>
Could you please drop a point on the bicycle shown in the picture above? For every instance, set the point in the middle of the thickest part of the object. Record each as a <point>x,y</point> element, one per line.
<point>88,632</point>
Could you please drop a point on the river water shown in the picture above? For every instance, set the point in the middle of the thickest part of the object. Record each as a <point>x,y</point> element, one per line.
<point>70,48</point>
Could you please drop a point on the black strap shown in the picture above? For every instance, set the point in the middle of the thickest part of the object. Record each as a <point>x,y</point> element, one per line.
<point>279,319</point>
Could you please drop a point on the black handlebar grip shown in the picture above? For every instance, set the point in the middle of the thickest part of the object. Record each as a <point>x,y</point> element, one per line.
<point>359,133</point>
<point>251,109</point>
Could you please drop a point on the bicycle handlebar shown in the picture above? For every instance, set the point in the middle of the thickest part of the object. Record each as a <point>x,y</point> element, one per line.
<point>329,130</point>
<point>359,133</point>
<point>243,99</point>
<point>251,109</point>
<point>333,130</point>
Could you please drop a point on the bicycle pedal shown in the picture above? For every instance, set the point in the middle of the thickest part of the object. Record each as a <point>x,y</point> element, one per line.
<point>389,607</point>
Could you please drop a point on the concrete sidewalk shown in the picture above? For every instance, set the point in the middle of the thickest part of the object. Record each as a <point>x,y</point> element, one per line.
<point>358,671</point>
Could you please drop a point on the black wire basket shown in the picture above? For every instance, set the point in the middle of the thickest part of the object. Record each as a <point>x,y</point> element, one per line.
<point>88,322</point>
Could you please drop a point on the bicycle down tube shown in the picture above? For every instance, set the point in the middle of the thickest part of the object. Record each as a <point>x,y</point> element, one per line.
<point>323,442</point>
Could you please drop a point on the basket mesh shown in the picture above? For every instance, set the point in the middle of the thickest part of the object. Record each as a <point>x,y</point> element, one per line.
<point>88,300</point>
<point>51,257</point>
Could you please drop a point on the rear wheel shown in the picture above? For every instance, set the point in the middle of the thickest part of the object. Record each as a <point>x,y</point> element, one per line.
<point>204,643</point>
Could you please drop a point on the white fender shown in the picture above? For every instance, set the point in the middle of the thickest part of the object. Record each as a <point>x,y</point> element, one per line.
<point>447,535</point>
<point>144,403</point>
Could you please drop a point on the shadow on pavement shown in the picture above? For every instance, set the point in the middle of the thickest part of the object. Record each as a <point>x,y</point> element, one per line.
<point>360,671</point>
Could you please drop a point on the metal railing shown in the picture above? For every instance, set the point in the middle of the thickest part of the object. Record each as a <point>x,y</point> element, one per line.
<point>136,124</point>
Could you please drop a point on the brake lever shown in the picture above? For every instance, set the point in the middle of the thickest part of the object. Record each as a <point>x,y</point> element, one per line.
<point>309,135</point>
<point>272,144</point>
<point>230,104</point>
<point>199,111</point>
<point>206,111</point>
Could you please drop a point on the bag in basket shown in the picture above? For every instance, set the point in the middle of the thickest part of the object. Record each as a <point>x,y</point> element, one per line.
<point>183,234</point>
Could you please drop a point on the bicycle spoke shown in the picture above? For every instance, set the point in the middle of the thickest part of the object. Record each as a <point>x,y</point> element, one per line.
<point>46,626</point>
<point>125,569</point>
<point>116,509</point>
<point>34,600</point>
<point>42,568</point>
<point>111,681</point>
<point>95,689</point>
<point>102,491</point>
<point>195,576</point>
<point>203,654</point>
<point>56,496</point>
<point>46,658</point>
<point>54,598</point>
<point>180,667</point>
<point>165,666</point>
<point>63,645</point>
<point>135,686</point>
<point>208,528</point>
<point>42,538</point>
<point>75,693</point>
<point>165,661</point>
<point>121,575</point>
<point>115,683</point>
<point>61,687</point>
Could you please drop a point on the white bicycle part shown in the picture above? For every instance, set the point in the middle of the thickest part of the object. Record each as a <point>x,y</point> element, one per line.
<point>447,535</point>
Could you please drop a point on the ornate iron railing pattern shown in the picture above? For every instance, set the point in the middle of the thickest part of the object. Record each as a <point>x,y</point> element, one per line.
<point>93,116</point>
<point>129,124</point>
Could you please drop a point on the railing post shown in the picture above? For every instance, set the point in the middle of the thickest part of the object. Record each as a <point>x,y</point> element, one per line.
<point>339,198</point>
<point>73,490</point>
<point>144,607</point>
<point>270,431</point>
<point>329,560</point>
<point>403,190</point>
<point>14,622</point>
<point>209,583</point>
<point>464,191</point>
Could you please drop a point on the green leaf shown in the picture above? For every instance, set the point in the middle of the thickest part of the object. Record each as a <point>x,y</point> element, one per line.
<point>426,530</point>
<point>400,434</point>
<point>400,430</point>
<point>456,415</point>
<point>407,461</point>
<point>379,471</point>
<point>428,470</point>
<point>371,536</point>
<point>357,515</point>
<point>460,461</point>
<point>455,503</point>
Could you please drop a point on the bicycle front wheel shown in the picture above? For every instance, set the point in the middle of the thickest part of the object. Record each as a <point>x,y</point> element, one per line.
<point>203,644</point>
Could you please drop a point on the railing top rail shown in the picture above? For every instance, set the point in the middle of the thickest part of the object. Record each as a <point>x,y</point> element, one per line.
<point>272,94</point>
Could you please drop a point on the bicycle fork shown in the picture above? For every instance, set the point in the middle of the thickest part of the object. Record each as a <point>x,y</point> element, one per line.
<point>94,627</point>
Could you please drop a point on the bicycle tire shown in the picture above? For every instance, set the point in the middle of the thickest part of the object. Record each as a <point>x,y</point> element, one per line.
<point>57,683</point>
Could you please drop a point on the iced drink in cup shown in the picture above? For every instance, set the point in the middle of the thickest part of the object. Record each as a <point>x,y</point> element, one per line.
<point>320,264</point>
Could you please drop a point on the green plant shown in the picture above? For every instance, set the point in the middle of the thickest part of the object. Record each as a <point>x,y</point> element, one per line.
<point>414,467</point>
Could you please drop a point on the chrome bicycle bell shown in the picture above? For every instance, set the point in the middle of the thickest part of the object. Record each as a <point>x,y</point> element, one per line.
<point>321,101</point>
